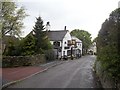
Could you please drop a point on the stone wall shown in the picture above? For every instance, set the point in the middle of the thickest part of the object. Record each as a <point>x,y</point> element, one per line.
<point>15,61</point>
<point>106,81</point>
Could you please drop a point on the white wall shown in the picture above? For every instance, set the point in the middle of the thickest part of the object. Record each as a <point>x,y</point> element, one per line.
<point>51,42</point>
<point>65,39</point>
<point>94,47</point>
<point>79,46</point>
<point>63,44</point>
<point>79,43</point>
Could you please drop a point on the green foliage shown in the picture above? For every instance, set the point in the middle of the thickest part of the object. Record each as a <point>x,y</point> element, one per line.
<point>0,30</point>
<point>31,44</point>
<point>84,36</point>
<point>11,48</point>
<point>108,44</point>
<point>41,40</point>
<point>28,45</point>
<point>47,44</point>
<point>50,55</point>
<point>11,24</point>
<point>12,17</point>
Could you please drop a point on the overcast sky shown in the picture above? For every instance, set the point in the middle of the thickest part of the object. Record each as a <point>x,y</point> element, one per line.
<point>75,14</point>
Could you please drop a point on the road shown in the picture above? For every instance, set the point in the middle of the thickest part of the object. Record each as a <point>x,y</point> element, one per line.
<point>71,74</point>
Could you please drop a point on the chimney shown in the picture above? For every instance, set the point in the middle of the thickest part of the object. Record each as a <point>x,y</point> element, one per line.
<point>65,28</point>
<point>48,26</point>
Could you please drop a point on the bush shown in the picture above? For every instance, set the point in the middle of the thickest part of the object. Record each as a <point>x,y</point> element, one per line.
<point>27,45</point>
<point>50,55</point>
<point>108,45</point>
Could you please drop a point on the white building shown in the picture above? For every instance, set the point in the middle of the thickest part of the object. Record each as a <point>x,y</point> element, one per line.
<point>64,44</point>
<point>93,48</point>
<point>77,46</point>
<point>60,41</point>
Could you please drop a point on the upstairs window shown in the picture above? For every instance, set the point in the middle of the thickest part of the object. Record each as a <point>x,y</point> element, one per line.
<point>56,44</point>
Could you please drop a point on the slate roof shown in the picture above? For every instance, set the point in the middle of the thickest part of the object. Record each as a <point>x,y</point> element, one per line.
<point>57,35</point>
<point>8,38</point>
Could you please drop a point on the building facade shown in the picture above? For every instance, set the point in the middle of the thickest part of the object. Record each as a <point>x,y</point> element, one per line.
<point>77,47</point>
<point>92,49</point>
<point>64,44</point>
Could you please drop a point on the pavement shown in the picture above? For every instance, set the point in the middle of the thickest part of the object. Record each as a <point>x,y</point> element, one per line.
<point>17,74</point>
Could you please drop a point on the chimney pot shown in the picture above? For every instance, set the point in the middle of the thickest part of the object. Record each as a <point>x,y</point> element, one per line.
<point>48,26</point>
<point>65,28</point>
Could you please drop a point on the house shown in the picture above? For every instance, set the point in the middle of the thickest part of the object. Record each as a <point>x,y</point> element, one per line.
<point>93,49</point>
<point>64,44</point>
<point>61,42</point>
<point>77,47</point>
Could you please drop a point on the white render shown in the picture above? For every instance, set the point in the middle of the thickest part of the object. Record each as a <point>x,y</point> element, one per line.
<point>63,43</point>
<point>65,39</point>
<point>78,43</point>
<point>64,49</point>
<point>93,48</point>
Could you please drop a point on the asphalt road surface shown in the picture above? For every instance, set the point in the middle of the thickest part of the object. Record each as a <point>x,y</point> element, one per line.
<point>71,74</point>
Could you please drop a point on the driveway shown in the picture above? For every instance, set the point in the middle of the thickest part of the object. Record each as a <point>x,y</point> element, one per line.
<point>72,74</point>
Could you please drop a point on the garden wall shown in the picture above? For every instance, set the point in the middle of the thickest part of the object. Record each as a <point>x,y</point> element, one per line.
<point>15,61</point>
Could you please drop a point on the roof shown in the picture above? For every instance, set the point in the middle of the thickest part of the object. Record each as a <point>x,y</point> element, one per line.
<point>77,40</point>
<point>8,38</point>
<point>57,35</point>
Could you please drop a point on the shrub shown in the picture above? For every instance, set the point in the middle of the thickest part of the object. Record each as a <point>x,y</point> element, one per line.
<point>50,55</point>
<point>108,45</point>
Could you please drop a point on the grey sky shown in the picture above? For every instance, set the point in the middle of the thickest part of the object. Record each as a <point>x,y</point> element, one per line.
<point>75,14</point>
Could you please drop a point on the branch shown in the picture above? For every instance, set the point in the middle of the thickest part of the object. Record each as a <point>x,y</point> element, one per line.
<point>11,28</point>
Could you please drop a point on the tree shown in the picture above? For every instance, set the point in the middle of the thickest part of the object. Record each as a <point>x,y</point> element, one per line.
<point>12,17</point>
<point>27,45</point>
<point>95,40</point>
<point>11,46</point>
<point>108,44</point>
<point>84,36</point>
<point>41,40</point>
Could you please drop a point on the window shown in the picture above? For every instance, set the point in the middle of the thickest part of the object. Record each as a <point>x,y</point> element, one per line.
<point>63,52</point>
<point>56,43</point>
<point>73,42</point>
<point>69,42</point>
<point>66,47</point>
